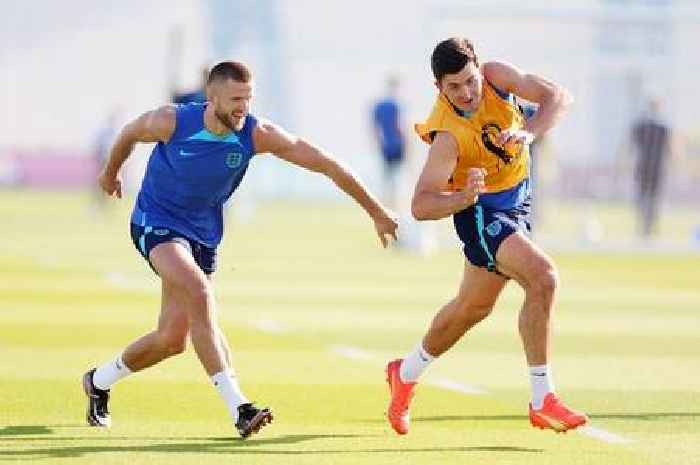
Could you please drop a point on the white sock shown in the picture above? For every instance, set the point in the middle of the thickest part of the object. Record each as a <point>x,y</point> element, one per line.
<point>541,381</point>
<point>226,383</point>
<point>414,364</point>
<point>109,373</point>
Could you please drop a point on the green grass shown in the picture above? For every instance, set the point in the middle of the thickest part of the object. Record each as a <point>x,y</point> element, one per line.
<point>73,292</point>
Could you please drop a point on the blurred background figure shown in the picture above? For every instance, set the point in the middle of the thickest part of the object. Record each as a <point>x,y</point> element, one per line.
<point>651,143</point>
<point>529,109</point>
<point>101,145</point>
<point>390,138</point>
<point>9,175</point>
<point>198,95</point>
<point>343,81</point>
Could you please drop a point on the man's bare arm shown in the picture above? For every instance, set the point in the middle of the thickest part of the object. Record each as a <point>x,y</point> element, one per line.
<point>153,126</point>
<point>271,138</point>
<point>552,98</point>
<point>430,201</point>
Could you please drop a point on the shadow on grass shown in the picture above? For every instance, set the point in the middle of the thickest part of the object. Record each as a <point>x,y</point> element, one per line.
<point>229,446</point>
<point>228,440</point>
<point>24,430</point>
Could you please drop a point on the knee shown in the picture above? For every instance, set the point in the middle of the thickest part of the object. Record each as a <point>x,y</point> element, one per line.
<point>173,342</point>
<point>544,283</point>
<point>200,297</point>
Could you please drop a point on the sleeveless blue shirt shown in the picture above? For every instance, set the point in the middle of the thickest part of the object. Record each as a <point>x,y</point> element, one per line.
<point>189,178</point>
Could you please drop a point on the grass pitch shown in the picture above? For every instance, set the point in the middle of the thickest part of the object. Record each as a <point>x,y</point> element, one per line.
<point>313,309</point>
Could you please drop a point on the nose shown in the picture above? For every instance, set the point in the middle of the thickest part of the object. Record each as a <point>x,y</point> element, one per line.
<point>466,92</point>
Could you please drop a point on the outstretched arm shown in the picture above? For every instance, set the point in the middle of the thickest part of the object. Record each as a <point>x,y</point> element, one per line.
<point>153,126</point>
<point>271,138</point>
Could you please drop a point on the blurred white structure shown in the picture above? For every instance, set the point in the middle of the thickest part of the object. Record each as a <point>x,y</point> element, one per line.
<point>320,64</point>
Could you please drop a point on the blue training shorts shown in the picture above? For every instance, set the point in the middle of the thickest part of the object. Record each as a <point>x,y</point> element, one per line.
<point>145,238</point>
<point>483,230</point>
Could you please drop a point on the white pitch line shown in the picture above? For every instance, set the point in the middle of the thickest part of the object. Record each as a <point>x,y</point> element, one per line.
<point>602,435</point>
<point>267,325</point>
<point>354,353</point>
<point>122,281</point>
<point>452,385</point>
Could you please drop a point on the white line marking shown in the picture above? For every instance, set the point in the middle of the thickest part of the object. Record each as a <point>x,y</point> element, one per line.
<point>354,353</point>
<point>602,435</point>
<point>267,325</point>
<point>122,281</point>
<point>357,353</point>
<point>452,385</point>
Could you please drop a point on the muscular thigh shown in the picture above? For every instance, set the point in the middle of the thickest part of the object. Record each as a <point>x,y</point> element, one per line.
<point>180,277</point>
<point>480,287</point>
<point>520,258</point>
<point>177,268</point>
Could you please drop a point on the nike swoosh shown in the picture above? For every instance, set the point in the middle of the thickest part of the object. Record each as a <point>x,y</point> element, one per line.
<point>553,422</point>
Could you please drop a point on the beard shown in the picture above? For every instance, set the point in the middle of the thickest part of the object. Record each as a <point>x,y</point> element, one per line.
<point>227,120</point>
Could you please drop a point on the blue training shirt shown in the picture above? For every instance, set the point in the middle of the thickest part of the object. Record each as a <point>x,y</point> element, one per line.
<point>189,178</point>
<point>386,119</point>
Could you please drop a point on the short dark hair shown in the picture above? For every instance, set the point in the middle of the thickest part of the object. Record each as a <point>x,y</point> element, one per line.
<point>235,70</point>
<point>451,55</point>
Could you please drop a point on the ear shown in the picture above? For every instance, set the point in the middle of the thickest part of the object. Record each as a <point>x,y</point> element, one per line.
<point>437,84</point>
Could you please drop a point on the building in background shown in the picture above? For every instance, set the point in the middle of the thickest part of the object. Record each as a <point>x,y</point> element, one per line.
<point>328,58</point>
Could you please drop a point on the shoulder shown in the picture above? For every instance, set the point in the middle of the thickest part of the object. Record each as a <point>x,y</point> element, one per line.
<point>445,141</point>
<point>154,125</point>
<point>163,121</point>
<point>270,137</point>
<point>163,117</point>
<point>501,74</point>
<point>264,127</point>
<point>445,137</point>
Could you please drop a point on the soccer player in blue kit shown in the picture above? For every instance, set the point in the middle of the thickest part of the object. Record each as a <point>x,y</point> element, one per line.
<point>201,155</point>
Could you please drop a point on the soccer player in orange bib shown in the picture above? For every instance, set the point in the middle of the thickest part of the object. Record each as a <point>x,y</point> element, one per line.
<point>477,172</point>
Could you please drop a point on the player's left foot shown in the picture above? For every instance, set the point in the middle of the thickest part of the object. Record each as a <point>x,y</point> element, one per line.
<point>251,419</point>
<point>401,396</point>
<point>97,409</point>
<point>555,415</point>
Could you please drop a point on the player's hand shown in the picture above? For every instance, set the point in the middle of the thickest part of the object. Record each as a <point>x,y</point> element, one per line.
<point>110,184</point>
<point>386,223</point>
<point>512,140</point>
<point>474,186</point>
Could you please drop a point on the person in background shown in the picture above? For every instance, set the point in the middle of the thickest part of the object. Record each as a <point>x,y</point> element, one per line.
<point>389,136</point>
<point>651,142</point>
<point>198,95</point>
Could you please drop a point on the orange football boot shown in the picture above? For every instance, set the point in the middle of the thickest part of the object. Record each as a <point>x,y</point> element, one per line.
<point>555,415</point>
<point>401,395</point>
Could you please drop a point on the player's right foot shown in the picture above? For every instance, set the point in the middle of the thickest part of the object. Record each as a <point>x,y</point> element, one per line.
<point>401,395</point>
<point>251,419</point>
<point>97,408</point>
<point>555,415</point>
